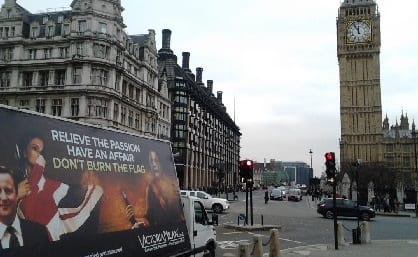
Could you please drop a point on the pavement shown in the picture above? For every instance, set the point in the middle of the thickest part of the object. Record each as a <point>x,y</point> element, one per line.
<point>377,248</point>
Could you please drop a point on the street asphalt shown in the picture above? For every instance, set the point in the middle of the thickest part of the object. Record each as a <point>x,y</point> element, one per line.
<point>378,248</point>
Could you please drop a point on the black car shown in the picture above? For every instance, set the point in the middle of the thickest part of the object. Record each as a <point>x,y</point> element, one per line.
<point>344,208</point>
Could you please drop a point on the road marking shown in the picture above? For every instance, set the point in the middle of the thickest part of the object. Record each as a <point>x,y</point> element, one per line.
<point>230,245</point>
<point>293,241</point>
<point>230,233</point>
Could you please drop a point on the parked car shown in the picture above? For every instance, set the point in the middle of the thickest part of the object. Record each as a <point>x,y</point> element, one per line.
<point>295,194</point>
<point>344,208</point>
<point>217,205</point>
<point>277,194</point>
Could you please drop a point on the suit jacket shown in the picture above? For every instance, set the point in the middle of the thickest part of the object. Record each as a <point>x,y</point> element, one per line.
<point>35,236</point>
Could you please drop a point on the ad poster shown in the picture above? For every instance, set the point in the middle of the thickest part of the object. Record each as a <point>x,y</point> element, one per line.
<point>70,189</point>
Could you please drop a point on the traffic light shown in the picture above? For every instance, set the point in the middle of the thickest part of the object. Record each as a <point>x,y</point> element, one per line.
<point>246,168</point>
<point>330,166</point>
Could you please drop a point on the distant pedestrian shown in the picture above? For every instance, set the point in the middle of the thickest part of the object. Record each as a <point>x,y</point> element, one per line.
<point>266,197</point>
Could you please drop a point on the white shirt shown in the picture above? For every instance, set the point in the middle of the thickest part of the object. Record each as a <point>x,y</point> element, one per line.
<point>5,236</point>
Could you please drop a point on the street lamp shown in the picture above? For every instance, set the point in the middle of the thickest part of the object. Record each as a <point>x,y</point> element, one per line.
<point>310,152</point>
<point>414,137</point>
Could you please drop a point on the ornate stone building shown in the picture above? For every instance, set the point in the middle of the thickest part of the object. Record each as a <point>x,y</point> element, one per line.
<point>204,136</point>
<point>80,64</point>
<point>358,49</point>
<point>363,137</point>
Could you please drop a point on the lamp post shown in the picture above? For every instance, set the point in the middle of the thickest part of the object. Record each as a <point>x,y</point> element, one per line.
<point>310,152</point>
<point>414,137</point>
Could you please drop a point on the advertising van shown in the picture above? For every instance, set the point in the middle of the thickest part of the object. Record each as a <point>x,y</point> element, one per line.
<point>78,190</point>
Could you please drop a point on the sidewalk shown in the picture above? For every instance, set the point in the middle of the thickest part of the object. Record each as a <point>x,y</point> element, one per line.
<point>377,248</point>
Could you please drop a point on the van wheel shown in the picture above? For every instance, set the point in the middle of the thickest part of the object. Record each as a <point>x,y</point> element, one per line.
<point>209,252</point>
<point>217,208</point>
<point>329,215</point>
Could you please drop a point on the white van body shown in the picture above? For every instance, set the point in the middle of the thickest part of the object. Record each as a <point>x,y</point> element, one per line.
<point>202,233</point>
<point>277,194</point>
<point>295,194</point>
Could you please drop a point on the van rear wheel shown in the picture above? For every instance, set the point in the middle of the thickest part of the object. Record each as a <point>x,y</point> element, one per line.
<point>329,215</point>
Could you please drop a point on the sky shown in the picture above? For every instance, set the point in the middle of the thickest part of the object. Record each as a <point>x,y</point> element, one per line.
<point>276,63</point>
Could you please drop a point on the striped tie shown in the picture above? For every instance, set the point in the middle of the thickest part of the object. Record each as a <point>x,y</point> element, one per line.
<point>14,242</point>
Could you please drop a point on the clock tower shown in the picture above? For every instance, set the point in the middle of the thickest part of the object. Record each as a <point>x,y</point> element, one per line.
<point>358,49</point>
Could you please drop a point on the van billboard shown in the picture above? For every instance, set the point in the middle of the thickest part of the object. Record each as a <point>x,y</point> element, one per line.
<point>92,191</point>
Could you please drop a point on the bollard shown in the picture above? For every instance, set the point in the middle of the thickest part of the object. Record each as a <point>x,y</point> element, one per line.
<point>243,250</point>
<point>356,235</point>
<point>258,247</point>
<point>365,232</point>
<point>262,220</point>
<point>340,234</point>
<point>228,255</point>
<point>274,243</point>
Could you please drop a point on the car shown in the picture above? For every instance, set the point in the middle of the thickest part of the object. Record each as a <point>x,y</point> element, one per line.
<point>217,205</point>
<point>277,194</point>
<point>295,194</point>
<point>344,208</point>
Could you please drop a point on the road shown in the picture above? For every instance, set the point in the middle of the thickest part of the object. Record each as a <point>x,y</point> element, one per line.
<point>301,225</point>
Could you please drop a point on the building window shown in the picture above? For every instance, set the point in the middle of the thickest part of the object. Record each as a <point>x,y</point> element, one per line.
<point>80,49</point>
<point>82,26</point>
<point>115,112</point>
<point>32,54</point>
<point>4,79</point>
<point>34,32</point>
<point>137,120</point>
<point>75,106</point>
<point>43,78</point>
<point>123,115</point>
<point>124,87</point>
<point>44,19</point>
<point>50,31</point>
<point>77,71</point>
<point>97,107</point>
<point>103,27</point>
<point>117,81</point>
<point>130,118</point>
<point>6,54</point>
<point>24,103</point>
<point>131,91</point>
<point>47,53</point>
<point>60,19</point>
<point>60,77</point>
<point>40,105</point>
<point>63,52</point>
<point>27,77</point>
<point>4,101</point>
<point>56,107</point>
<point>99,76</point>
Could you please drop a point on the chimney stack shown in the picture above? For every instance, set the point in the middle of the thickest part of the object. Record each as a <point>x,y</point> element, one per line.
<point>199,72</point>
<point>209,84</point>
<point>219,96</point>
<point>185,63</point>
<point>166,38</point>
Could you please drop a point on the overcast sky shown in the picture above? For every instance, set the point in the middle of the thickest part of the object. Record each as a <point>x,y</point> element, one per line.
<point>277,61</point>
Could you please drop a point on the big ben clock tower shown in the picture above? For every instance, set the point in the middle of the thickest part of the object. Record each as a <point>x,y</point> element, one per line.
<point>358,48</point>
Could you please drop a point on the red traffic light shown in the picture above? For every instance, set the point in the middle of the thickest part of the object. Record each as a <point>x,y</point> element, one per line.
<point>330,156</point>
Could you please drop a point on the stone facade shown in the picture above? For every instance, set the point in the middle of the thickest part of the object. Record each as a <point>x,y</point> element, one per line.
<point>205,138</point>
<point>80,64</point>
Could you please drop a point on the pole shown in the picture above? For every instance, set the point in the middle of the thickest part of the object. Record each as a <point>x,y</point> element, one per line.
<point>251,204</point>
<point>358,206</point>
<point>246,204</point>
<point>334,206</point>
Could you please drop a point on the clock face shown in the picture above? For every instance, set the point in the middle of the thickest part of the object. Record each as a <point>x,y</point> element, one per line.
<point>358,32</point>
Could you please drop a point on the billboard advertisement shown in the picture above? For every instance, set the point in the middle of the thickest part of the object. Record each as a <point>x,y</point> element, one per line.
<point>71,189</point>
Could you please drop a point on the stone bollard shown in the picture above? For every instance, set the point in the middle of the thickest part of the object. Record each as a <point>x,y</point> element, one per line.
<point>365,232</point>
<point>243,250</point>
<point>228,255</point>
<point>274,243</point>
<point>340,234</point>
<point>258,247</point>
